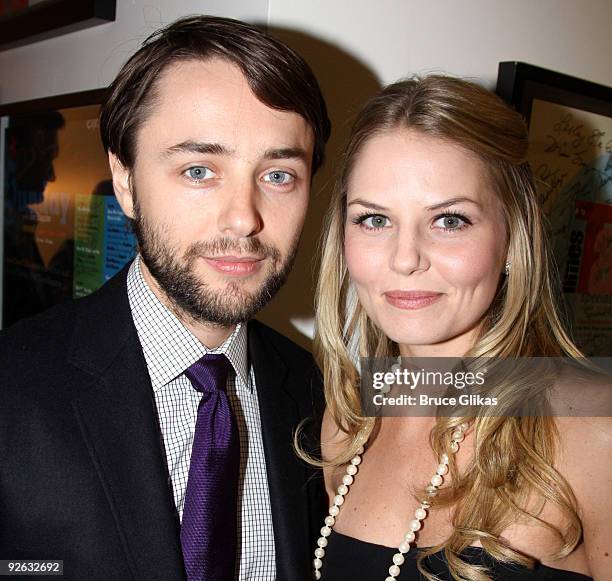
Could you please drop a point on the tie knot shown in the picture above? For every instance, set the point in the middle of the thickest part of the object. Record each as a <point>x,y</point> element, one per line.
<point>209,373</point>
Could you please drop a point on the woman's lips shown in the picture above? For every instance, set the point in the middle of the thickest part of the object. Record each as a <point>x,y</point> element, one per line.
<point>235,265</point>
<point>411,300</point>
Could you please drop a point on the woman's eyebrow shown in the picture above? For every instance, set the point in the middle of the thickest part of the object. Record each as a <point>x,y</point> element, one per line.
<point>367,204</point>
<point>451,202</point>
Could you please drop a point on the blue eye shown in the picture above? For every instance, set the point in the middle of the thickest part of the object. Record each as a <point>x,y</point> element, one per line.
<point>198,173</point>
<point>278,177</point>
<point>372,221</point>
<point>452,221</point>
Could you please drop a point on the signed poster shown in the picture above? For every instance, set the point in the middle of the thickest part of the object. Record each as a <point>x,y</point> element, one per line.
<point>571,155</point>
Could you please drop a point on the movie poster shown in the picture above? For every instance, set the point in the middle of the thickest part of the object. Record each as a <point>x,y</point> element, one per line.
<point>571,155</point>
<point>64,233</point>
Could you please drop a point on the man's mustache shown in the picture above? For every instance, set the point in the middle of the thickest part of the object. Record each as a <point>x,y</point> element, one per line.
<point>219,246</point>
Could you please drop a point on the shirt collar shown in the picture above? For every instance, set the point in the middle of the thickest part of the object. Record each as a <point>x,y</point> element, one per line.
<point>169,348</point>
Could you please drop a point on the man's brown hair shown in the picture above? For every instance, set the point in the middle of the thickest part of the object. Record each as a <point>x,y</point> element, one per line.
<point>277,75</point>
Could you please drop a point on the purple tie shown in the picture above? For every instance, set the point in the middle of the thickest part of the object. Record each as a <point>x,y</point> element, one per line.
<point>209,526</point>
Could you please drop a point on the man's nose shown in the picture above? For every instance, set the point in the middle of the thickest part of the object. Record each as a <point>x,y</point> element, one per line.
<point>240,216</point>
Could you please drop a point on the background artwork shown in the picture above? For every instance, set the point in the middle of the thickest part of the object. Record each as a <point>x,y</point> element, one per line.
<point>571,154</point>
<point>64,232</point>
<point>570,151</point>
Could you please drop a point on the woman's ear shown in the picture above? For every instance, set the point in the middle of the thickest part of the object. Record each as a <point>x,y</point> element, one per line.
<point>121,185</point>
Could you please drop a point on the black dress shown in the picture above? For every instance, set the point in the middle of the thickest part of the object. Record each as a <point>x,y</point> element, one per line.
<point>349,559</point>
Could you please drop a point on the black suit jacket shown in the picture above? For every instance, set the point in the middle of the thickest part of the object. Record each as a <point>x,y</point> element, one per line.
<point>82,472</point>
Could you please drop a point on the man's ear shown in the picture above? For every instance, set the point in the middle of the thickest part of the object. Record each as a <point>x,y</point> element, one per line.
<point>121,185</point>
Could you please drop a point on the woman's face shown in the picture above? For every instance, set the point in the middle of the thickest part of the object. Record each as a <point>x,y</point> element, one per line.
<point>425,241</point>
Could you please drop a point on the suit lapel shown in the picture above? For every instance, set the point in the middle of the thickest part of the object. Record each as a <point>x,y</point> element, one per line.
<point>116,412</point>
<point>286,475</point>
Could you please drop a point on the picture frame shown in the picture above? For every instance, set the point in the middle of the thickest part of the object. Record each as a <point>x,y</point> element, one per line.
<point>48,18</point>
<point>63,231</point>
<point>570,152</point>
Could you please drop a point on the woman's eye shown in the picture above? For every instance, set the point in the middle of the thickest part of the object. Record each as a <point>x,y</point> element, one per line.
<point>372,221</point>
<point>199,173</point>
<point>451,222</point>
<point>278,177</point>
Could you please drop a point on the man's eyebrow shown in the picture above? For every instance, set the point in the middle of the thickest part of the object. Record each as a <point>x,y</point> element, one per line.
<point>452,202</point>
<point>201,147</point>
<point>367,204</point>
<point>287,153</point>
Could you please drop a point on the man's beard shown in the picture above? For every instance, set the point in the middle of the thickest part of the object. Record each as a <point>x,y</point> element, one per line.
<point>194,298</point>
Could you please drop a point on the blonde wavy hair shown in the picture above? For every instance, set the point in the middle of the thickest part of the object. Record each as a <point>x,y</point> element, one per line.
<point>514,456</point>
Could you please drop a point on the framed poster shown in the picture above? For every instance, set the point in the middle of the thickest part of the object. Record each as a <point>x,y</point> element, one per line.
<point>64,233</point>
<point>25,21</point>
<point>570,140</point>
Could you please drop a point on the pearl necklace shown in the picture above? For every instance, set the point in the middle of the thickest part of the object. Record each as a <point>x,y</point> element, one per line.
<point>413,526</point>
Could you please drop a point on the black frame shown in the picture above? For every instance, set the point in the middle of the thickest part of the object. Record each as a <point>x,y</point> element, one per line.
<point>53,18</point>
<point>80,99</point>
<point>519,83</point>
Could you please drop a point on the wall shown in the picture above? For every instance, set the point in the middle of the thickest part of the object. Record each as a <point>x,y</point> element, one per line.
<point>354,46</point>
<point>464,37</point>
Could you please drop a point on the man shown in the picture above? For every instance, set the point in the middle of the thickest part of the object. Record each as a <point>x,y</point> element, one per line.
<point>128,418</point>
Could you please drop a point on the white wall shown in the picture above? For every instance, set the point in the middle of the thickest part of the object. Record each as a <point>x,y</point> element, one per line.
<point>463,37</point>
<point>353,46</point>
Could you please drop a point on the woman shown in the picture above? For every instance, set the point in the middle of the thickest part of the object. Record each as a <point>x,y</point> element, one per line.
<point>435,244</point>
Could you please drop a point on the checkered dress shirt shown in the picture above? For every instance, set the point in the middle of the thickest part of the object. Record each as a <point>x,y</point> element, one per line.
<point>169,349</point>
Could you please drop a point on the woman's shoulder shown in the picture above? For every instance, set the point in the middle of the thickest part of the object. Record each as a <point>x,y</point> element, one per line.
<point>585,461</point>
<point>582,406</point>
<point>585,456</point>
<point>581,389</point>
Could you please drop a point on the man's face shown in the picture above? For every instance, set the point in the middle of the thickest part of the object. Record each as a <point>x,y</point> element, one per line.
<point>219,192</point>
